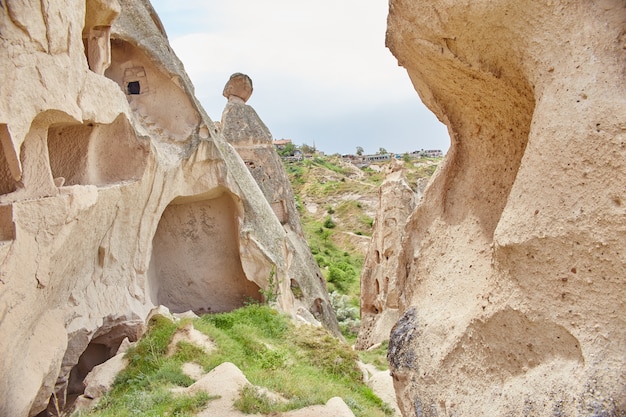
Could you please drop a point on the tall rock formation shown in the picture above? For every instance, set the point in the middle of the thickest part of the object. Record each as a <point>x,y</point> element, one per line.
<point>513,279</point>
<point>379,289</point>
<point>117,193</point>
<point>242,128</point>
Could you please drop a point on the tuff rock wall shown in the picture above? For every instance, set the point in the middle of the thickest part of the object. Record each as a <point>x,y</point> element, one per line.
<point>117,193</point>
<point>513,288</point>
<point>246,132</point>
<point>379,289</point>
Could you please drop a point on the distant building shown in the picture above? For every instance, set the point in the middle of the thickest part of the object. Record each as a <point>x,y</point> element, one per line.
<point>378,157</point>
<point>281,143</point>
<point>429,153</point>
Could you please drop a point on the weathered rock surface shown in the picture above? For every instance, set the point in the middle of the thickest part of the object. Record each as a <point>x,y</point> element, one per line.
<point>242,128</point>
<point>226,381</point>
<point>512,283</point>
<point>379,291</point>
<point>117,193</point>
<point>238,88</point>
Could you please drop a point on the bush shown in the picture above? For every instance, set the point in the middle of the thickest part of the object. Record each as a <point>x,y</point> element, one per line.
<point>341,275</point>
<point>329,223</point>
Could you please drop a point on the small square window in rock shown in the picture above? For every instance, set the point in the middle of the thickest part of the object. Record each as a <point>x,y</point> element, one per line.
<point>133,87</point>
<point>135,81</point>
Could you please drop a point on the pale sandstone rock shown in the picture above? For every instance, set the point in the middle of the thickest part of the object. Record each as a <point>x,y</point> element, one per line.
<point>193,370</point>
<point>117,194</point>
<point>335,407</point>
<point>381,383</point>
<point>512,278</point>
<point>227,381</point>
<point>239,86</point>
<point>102,376</point>
<point>379,290</point>
<point>252,140</point>
<point>189,334</point>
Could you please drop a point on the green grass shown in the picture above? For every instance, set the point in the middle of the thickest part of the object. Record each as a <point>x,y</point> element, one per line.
<point>377,357</point>
<point>330,163</point>
<point>327,181</point>
<point>305,365</point>
<point>143,388</point>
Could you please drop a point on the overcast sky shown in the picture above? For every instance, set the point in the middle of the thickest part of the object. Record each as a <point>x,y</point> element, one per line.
<point>320,69</point>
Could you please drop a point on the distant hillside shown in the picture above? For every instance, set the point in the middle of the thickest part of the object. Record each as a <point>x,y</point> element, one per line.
<point>337,202</point>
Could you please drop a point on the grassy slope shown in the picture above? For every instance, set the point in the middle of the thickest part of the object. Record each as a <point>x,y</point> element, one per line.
<point>306,365</point>
<point>337,203</point>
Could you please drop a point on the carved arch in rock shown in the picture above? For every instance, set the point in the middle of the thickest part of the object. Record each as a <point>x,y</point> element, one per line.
<point>95,153</point>
<point>85,350</point>
<point>156,99</point>
<point>10,168</point>
<point>195,263</point>
<point>99,16</point>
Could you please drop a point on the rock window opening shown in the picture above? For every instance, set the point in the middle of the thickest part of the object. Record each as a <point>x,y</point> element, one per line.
<point>136,81</point>
<point>133,87</point>
<point>7,227</point>
<point>280,209</point>
<point>296,290</point>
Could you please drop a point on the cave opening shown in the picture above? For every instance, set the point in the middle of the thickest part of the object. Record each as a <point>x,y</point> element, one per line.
<point>97,154</point>
<point>195,263</point>
<point>8,184</point>
<point>133,87</point>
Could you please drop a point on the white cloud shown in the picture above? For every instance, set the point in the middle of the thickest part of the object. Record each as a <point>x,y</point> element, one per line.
<point>309,60</point>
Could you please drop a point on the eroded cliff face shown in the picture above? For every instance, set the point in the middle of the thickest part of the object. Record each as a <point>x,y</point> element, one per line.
<point>117,193</point>
<point>512,285</point>
<point>246,132</point>
<point>379,289</point>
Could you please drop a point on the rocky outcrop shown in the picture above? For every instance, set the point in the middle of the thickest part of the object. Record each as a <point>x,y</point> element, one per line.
<point>246,132</point>
<point>512,280</point>
<point>379,290</point>
<point>117,193</point>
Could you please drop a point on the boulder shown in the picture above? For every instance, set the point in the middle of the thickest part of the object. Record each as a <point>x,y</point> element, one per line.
<point>238,88</point>
<point>512,292</point>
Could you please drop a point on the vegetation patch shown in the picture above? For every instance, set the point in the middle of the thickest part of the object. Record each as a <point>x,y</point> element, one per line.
<point>305,365</point>
<point>144,387</point>
<point>377,357</point>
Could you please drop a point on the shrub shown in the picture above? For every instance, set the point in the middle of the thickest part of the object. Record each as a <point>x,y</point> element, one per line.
<point>347,315</point>
<point>341,275</point>
<point>329,223</point>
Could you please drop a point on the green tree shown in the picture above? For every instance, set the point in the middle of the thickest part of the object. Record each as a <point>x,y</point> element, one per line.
<point>359,150</point>
<point>287,150</point>
<point>329,223</point>
<point>307,150</point>
<point>406,157</point>
<point>382,151</point>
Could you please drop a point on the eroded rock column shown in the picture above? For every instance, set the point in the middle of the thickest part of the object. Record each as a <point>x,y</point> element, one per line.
<point>379,290</point>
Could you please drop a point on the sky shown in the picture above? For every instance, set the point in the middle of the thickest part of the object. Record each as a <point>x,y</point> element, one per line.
<point>320,70</point>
